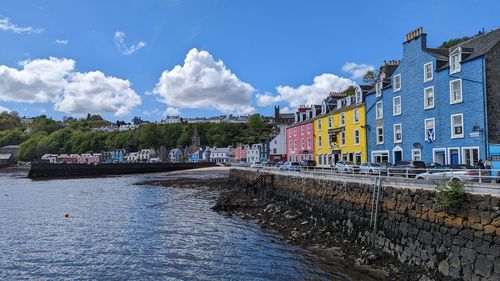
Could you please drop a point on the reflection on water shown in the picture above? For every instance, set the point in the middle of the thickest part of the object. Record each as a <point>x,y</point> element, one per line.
<point>117,230</point>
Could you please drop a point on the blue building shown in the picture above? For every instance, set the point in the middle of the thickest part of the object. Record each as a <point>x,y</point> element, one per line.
<point>433,104</point>
<point>116,156</point>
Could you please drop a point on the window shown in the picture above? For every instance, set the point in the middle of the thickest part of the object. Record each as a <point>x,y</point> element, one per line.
<point>455,91</point>
<point>295,131</point>
<point>342,119</point>
<point>429,98</point>
<point>378,89</point>
<point>398,133</point>
<point>308,128</point>
<point>428,72</point>
<point>342,138</point>
<point>416,155</point>
<point>397,83</point>
<point>470,155</point>
<point>357,158</point>
<point>380,135</point>
<point>319,142</point>
<point>319,124</point>
<point>329,121</point>
<point>455,61</point>
<point>302,145</point>
<point>289,133</point>
<point>457,126</point>
<point>356,137</point>
<point>359,96</point>
<point>290,144</point>
<point>356,115</point>
<point>379,111</point>
<point>294,144</point>
<point>396,105</point>
<point>430,134</point>
<point>308,142</point>
<point>302,130</point>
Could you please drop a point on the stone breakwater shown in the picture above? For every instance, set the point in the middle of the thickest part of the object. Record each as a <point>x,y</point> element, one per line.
<point>459,243</point>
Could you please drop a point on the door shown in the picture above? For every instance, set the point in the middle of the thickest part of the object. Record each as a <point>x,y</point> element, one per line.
<point>398,156</point>
<point>439,157</point>
<point>454,156</point>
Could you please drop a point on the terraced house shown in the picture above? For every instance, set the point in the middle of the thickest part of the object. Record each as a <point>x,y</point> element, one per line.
<point>340,129</point>
<point>300,135</point>
<point>437,105</point>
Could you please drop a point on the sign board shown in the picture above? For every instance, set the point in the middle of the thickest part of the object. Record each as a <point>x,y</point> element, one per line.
<point>474,134</point>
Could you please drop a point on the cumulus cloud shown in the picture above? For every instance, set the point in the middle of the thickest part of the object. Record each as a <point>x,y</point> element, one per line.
<point>55,81</point>
<point>204,83</point>
<point>309,94</point>
<point>4,109</point>
<point>7,25</point>
<point>266,99</point>
<point>62,41</point>
<point>172,111</point>
<point>120,44</point>
<point>357,71</point>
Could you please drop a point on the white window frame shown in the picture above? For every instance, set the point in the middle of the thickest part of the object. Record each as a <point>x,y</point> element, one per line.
<point>413,154</point>
<point>295,144</point>
<point>308,128</point>
<point>302,130</point>
<point>378,89</point>
<point>452,101</point>
<point>453,135</point>
<point>377,135</point>
<point>394,132</point>
<point>426,106</point>
<point>434,150</point>
<point>449,154</point>
<point>342,138</point>
<point>425,128</point>
<point>356,137</point>
<point>330,121</point>
<point>308,143</point>
<point>320,144</point>
<point>356,115</point>
<point>394,113</point>
<point>381,115</point>
<point>458,68</point>
<point>397,87</point>
<point>342,119</point>
<point>468,148</point>
<point>302,144</point>
<point>295,131</point>
<point>427,79</point>
<point>319,124</point>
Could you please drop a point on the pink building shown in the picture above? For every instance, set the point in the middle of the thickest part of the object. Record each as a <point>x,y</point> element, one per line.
<point>88,159</point>
<point>240,153</point>
<point>300,135</point>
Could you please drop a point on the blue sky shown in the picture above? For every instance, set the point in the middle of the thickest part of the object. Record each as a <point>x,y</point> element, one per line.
<point>204,58</point>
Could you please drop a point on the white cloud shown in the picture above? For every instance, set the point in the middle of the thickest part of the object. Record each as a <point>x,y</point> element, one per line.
<point>7,25</point>
<point>96,93</point>
<point>120,44</point>
<point>204,83</point>
<point>357,71</point>
<point>172,111</point>
<point>266,99</point>
<point>4,109</point>
<point>55,81</point>
<point>61,41</point>
<point>311,94</point>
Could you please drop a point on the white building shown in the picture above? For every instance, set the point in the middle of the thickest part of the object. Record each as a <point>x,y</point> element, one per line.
<point>221,155</point>
<point>253,153</point>
<point>131,157</point>
<point>171,120</point>
<point>175,155</point>
<point>51,158</point>
<point>277,146</point>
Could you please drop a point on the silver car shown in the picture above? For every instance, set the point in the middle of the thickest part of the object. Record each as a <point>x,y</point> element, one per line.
<point>372,168</point>
<point>450,172</point>
<point>346,166</point>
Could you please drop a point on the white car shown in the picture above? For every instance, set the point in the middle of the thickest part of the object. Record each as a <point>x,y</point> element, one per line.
<point>256,165</point>
<point>346,166</point>
<point>450,172</point>
<point>372,168</point>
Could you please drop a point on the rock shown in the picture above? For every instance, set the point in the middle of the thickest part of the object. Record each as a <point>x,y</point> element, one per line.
<point>477,226</point>
<point>497,266</point>
<point>489,229</point>
<point>295,234</point>
<point>483,266</point>
<point>444,268</point>
<point>496,222</point>
<point>304,222</point>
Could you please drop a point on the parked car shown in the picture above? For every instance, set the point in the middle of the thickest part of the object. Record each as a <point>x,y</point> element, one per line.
<point>308,163</point>
<point>450,172</point>
<point>346,166</point>
<point>410,168</point>
<point>256,164</point>
<point>372,168</point>
<point>290,166</point>
<point>498,177</point>
<point>280,163</point>
<point>433,165</point>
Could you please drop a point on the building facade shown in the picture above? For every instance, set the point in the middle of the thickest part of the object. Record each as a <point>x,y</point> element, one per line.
<point>431,106</point>
<point>300,135</point>
<point>277,145</point>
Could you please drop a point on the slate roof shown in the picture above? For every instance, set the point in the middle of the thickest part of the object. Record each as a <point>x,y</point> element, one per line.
<point>5,156</point>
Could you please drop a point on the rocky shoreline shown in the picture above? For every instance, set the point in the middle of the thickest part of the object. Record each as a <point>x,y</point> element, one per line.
<point>299,228</point>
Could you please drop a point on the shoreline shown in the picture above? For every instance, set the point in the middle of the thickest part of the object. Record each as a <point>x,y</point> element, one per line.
<point>292,226</point>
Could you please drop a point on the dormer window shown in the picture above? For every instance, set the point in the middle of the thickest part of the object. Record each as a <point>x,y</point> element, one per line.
<point>397,83</point>
<point>359,96</point>
<point>378,89</point>
<point>455,59</point>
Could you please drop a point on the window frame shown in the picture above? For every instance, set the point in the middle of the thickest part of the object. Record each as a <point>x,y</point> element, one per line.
<point>452,126</point>
<point>458,54</point>
<point>342,138</point>
<point>378,135</point>
<point>320,142</point>
<point>319,124</point>
<point>428,79</point>
<point>330,121</point>
<point>413,154</point>
<point>426,106</point>
<point>461,91</point>
<point>394,113</point>
<point>425,128</point>
<point>356,115</point>
<point>342,118</point>
<point>378,89</point>
<point>400,131</point>
<point>381,115</point>
<point>396,89</point>
<point>357,137</point>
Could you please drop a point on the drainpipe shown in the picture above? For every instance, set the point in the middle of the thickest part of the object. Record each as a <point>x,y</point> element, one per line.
<point>487,151</point>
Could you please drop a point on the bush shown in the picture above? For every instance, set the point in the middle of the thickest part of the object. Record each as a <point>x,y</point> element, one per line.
<point>452,193</point>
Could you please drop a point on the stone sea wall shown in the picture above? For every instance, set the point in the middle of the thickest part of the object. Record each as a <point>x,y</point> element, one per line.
<point>461,243</point>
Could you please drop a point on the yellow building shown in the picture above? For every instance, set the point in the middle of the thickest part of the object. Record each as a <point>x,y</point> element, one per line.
<point>340,132</point>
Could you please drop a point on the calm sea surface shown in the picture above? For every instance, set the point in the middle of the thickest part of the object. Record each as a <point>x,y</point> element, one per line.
<point>118,230</point>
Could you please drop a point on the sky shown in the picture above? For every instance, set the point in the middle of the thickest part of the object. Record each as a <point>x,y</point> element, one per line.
<point>154,58</point>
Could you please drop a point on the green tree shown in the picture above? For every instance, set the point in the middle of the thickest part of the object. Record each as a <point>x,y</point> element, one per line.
<point>255,123</point>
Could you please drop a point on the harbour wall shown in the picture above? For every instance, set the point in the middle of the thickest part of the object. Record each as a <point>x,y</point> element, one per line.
<point>461,243</point>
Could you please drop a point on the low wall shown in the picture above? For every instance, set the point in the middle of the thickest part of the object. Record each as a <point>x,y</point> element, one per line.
<point>458,242</point>
<point>45,170</point>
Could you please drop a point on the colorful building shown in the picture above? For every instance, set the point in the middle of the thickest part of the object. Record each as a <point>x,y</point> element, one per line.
<point>300,135</point>
<point>340,129</point>
<point>437,105</point>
